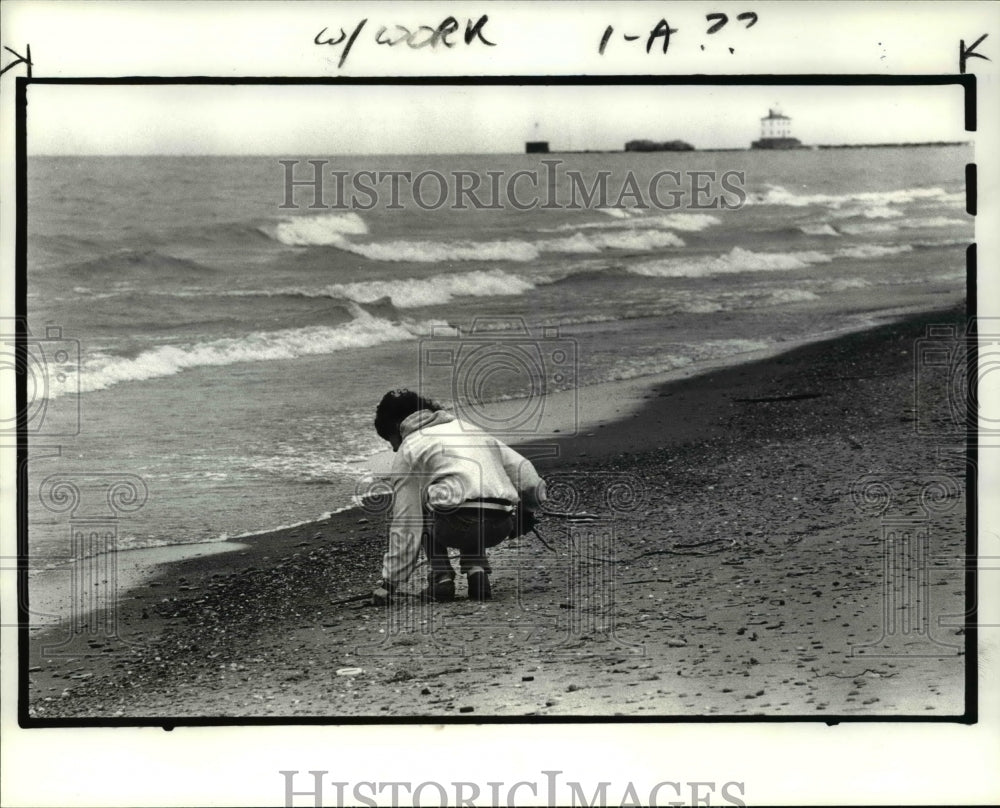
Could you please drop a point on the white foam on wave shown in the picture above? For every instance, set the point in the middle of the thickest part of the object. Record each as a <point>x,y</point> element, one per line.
<point>754,297</point>
<point>432,291</point>
<point>613,240</point>
<point>943,242</point>
<point>636,368</point>
<point>315,465</point>
<point>881,212</point>
<point>617,213</point>
<point>577,243</point>
<point>92,295</point>
<point>323,230</point>
<point>868,228</point>
<point>703,307</point>
<point>737,260</point>
<point>779,296</point>
<point>102,370</point>
<point>846,284</point>
<point>743,260</point>
<point>684,222</point>
<point>922,222</point>
<point>637,239</point>
<point>511,250</point>
<point>431,252</point>
<point>873,250</point>
<point>818,230</point>
<point>334,229</point>
<point>718,348</point>
<point>958,198</point>
<point>683,355</point>
<point>875,200</point>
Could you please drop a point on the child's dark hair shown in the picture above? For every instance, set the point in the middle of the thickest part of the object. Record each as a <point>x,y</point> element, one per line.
<point>396,406</point>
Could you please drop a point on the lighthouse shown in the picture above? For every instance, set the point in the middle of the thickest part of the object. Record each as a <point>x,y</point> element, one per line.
<point>776,132</point>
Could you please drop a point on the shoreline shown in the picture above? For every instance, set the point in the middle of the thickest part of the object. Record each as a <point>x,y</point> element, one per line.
<point>605,402</point>
<point>697,421</point>
<point>133,567</point>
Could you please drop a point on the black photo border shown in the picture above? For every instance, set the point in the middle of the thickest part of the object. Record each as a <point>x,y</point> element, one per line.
<point>970,713</point>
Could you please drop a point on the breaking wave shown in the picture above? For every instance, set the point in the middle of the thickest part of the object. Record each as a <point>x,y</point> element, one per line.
<point>737,260</point>
<point>818,230</point>
<point>320,231</point>
<point>743,260</point>
<point>868,228</point>
<point>432,252</point>
<point>103,371</point>
<point>333,230</point>
<point>779,296</point>
<point>865,251</point>
<point>432,291</point>
<point>876,227</point>
<point>878,201</point>
<point>614,240</point>
<point>518,250</point>
<point>934,221</point>
<point>408,293</point>
<point>684,222</point>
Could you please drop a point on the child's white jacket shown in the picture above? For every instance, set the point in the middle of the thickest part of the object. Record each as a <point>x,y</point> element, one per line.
<point>441,463</point>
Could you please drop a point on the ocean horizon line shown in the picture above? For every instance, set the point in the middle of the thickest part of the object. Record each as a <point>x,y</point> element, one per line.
<point>507,153</point>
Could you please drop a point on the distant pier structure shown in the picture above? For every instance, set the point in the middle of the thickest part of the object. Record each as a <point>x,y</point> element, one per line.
<point>536,145</point>
<point>776,132</point>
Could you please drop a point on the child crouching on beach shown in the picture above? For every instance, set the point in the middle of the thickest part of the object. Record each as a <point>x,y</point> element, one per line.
<point>454,485</point>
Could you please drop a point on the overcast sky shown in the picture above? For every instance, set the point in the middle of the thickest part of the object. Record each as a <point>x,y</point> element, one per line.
<point>80,119</point>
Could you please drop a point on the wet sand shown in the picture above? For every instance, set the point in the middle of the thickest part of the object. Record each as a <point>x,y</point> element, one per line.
<point>716,554</point>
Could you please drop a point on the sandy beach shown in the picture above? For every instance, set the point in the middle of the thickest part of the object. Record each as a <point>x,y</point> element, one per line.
<point>718,550</point>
